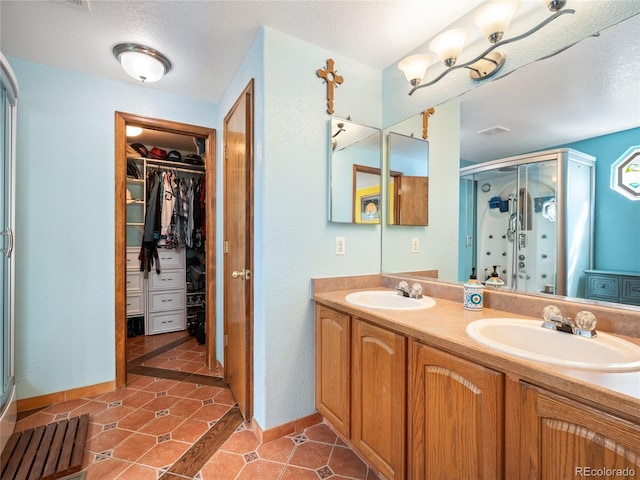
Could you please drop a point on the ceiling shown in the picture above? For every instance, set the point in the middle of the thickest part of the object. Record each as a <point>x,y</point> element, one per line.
<point>591,89</point>
<point>206,41</point>
<point>570,97</point>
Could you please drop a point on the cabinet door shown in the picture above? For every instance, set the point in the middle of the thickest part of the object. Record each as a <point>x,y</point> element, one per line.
<point>456,417</point>
<point>333,358</point>
<point>379,366</point>
<point>561,438</point>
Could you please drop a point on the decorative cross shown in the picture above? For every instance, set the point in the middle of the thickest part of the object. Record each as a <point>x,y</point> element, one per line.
<point>332,78</point>
<point>425,121</point>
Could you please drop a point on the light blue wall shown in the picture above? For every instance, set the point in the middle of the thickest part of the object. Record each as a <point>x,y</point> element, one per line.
<point>617,218</point>
<point>65,220</point>
<point>296,242</point>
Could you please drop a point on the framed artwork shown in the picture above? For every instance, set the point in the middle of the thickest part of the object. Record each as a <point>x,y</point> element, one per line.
<point>367,205</point>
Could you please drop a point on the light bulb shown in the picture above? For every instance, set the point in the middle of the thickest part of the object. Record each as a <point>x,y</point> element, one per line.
<point>414,67</point>
<point>142,67</point>
<point>448,45</point>
<point>494,18</point>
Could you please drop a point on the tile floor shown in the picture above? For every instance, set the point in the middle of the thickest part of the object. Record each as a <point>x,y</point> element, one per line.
<point>148,429</point>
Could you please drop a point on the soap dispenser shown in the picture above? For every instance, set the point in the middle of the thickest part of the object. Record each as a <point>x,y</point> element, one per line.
<point>494,281</point>
<point>473,293</point>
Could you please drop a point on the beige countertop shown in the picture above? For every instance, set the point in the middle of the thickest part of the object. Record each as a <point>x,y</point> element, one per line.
<point>443,326</point>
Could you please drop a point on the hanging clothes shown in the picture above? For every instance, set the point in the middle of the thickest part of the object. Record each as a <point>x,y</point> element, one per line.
<point>190,223</point>
<point>167,210</point>
<point>148,255</point>
<point>181,212</point>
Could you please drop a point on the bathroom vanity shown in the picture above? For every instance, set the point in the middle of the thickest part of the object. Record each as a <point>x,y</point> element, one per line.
<point>420,399</point>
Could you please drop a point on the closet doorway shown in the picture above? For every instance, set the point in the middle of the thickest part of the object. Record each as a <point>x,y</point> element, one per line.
<point>127,229</point>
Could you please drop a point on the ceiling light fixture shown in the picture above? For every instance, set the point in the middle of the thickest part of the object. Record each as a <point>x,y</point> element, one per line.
<point>133,131</point>
<point>142,63</point>
<point>493,19</point>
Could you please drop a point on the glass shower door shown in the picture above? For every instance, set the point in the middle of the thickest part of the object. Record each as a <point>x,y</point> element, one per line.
<point>7,142</point>
<point>510,225</point>
<point>532,228</point>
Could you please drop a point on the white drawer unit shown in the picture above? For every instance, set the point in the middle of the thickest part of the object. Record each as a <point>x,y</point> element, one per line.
<point>132,258</point>
<point>166,293</point>
<point>166,300</point>
<point>162,322</point>
<point>135,282</point>
<point>171,259</point>
<point>135,304</point>
<point>167,279</point>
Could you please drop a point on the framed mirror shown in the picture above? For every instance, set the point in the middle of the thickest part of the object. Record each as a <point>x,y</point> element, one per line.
<point>408,165</point>
<point>354,170</point>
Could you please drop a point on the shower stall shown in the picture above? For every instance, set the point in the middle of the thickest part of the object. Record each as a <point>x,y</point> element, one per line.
<point>530,218</point>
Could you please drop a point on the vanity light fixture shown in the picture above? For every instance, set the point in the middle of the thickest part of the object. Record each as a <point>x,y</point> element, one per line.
<point>142,63</point>
<point>493,19</point>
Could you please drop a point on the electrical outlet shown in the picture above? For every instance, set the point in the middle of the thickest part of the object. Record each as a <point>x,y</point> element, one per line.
<point>415,245</point>
<point>341,246</point>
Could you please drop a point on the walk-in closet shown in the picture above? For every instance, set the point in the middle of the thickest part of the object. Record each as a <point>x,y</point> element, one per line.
<point>166,212</point>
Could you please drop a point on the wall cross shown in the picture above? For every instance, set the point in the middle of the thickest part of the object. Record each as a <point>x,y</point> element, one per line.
<point>425,121</point>
<point>332,79</point>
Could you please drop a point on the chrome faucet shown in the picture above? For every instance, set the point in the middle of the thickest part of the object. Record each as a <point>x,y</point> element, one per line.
<point>414,292</point>
<point>584,324</point>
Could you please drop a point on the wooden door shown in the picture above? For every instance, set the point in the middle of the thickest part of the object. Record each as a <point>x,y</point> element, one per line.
<point>413,200</point>
<point>238,250</point>
<point>456,418</point>
<point>333,361</point>
<point>560,438</point>
<point>378,371</point>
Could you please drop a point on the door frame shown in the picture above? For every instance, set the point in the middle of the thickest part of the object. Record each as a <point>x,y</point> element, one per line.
<point>248,93</point>
<point>121,121</point>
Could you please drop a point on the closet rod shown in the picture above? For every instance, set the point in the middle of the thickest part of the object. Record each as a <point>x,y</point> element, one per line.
<point>171,167</point>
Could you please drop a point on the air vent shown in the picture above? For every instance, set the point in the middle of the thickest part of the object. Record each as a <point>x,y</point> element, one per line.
<point>493,131</point>
<point>82,5</point>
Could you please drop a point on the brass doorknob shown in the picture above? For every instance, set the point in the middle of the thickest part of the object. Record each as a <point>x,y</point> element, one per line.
<point>238,274</point>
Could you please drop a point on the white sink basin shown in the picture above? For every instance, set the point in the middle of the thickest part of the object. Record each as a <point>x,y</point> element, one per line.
<point>527,339</point>
<point>388,300</point>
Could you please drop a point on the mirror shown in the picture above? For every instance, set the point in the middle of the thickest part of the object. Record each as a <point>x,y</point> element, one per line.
<point>354,171</point>
<point>408,173</point>
<point>557,111</point>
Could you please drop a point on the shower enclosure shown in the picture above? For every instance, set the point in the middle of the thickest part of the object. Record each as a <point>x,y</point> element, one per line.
<point>531,218</point>
<point>8,101</point>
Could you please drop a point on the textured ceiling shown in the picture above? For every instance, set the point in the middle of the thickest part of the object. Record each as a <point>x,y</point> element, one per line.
<point>207,40</point>
<point>589,90</point>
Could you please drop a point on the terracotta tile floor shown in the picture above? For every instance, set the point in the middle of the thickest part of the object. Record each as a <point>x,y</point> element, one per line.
<point>141,431</point>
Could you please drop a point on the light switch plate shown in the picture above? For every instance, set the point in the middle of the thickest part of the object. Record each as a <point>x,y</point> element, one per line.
<point>341,246</point>
<point>415,245</point>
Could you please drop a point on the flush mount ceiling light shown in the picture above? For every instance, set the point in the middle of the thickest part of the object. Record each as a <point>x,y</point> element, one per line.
<point>142,63</point>
<point>133,131</point>
<point>493,20</point>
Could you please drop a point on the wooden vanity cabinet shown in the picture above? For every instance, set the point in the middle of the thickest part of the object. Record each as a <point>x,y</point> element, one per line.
<point>561,438</point>
<point>361,387</point>
<point>333,367</point>
<point>378,397</point>
<point>455,417</point>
